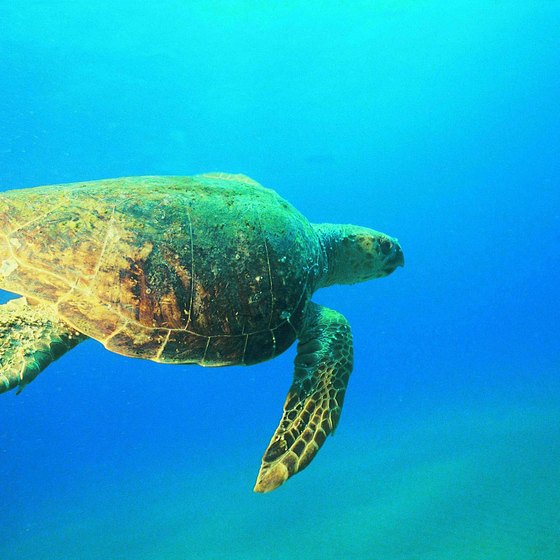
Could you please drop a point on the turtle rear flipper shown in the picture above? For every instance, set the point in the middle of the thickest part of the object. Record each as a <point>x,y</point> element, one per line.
<point>313,405</point>
<point>31,337</point>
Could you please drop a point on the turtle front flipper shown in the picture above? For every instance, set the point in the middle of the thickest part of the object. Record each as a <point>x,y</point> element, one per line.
<point>31,337</point>
<point>322,367</point>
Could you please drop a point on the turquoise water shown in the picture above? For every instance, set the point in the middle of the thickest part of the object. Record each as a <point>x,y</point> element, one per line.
<point>437,122</point>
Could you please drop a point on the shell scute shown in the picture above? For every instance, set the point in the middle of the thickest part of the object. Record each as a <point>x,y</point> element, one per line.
<point>184,347</point>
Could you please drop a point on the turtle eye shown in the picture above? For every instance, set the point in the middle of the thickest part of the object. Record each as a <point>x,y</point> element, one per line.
<point>386,247</point>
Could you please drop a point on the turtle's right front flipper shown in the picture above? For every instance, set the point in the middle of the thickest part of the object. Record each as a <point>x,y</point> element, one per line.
<point>31,337</point>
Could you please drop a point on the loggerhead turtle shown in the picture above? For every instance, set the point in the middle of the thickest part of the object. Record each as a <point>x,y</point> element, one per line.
<point>212,269</point>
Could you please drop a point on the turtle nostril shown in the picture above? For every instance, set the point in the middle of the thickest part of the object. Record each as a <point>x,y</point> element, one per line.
<point>386,247</point>
<point>399,257</point>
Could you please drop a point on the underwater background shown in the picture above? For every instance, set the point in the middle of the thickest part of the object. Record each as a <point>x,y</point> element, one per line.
<point>436,122</point>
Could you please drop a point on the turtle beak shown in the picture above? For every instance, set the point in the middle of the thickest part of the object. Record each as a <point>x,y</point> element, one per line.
<point>394,259</point>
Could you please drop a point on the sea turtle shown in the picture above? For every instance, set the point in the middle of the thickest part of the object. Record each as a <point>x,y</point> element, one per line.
<point>212,269</point>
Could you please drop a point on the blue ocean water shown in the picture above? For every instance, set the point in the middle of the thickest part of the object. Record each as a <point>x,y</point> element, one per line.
<point>436,122</point>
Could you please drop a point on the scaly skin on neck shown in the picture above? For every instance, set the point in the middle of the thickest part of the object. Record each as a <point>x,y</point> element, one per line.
<point>356,254</point>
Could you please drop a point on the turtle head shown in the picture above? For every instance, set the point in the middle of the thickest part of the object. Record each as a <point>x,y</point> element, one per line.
<point>356,254</point>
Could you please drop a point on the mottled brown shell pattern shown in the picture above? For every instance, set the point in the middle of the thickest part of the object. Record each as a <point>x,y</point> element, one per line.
<point>211,269</point>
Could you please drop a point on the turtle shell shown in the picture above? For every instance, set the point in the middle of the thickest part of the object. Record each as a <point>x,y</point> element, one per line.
<point>212,269</point>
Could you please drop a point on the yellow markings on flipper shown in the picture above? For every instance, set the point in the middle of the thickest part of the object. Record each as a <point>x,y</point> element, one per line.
<point>314,402</point>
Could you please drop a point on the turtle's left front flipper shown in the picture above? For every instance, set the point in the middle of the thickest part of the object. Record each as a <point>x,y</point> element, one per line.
<point>31,337</point>
<point>313,405</point>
